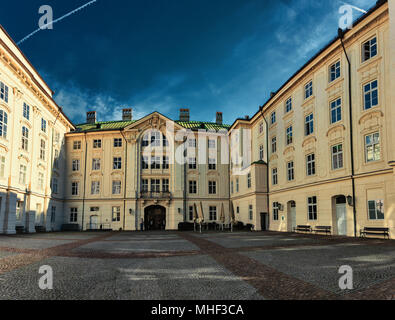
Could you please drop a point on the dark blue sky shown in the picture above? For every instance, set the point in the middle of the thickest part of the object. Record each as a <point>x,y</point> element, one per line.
<point>207,55</point>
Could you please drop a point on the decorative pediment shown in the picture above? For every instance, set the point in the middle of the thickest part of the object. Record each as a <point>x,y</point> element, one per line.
<point>273,157</point>
<point>336,132</point>
<point>309,141</point>
<point>370,115</point>
<point>5,106</point>
<point>154,120</point>
<point>288,150</point>
<point>23,157</point>
<point>370,70</point>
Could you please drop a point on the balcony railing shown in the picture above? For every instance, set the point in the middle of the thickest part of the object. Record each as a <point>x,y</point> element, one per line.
<point>155,195</point>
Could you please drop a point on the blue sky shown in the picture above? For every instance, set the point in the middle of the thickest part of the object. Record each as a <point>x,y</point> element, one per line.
<point>162,55</point>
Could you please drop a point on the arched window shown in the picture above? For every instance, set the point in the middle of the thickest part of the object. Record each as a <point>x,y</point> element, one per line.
<point>154,138</point>
<point>3,123</point>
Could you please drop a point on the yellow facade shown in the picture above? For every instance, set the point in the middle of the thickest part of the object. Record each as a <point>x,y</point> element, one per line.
<point>302,159</point>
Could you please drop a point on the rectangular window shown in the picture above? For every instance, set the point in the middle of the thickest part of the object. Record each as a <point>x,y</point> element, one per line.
<point>190,209</point>
<point>372,147</point>
<point>212,164</point>
<point>273,117</point>
<point>22,174</point>
<point>116,214</point>
<point>261,128</point>
<point>376,209</point>
<point>211,144</point>
<point>371,95</point>
<point>334,71</point>
<point>116,187</point>
<point>57,137</point>
<point>165,142</point>
<point>19,210</point>
<point>144,163</point>
<point>274,145</point>
<point>96,144</point>
<point>3,124</point>
<point>213,213</point>
<point>77,145</point>
<point>275,211</point>
<point>212,187</point>
<point>249,180</point>
<point>117,163</point>
<point>337,157</point>
<point>310,164</point>
<point>192,163</point>
<point>95,187</point>
<point>73,215</point>
<point>2,167</point>
<point>117,142</point>
<point>155,139</point>
<point>312,208</point>
<point>54,186</point>
<point>56,160</point>
<point>290,171</point>
<point>237,185</point>
<point>25,138</point>
<point>53,214</point>
<point>261,152</point>
<point>166,162</point>
<point>76,165</point>
<point>369,49</point>
<point>42,150</point>
<point>274,176</point>
<point>237,210</point>
<point>336,110</point>
<point>309,124</point>
<point>192,187</point>
<point>3,92</point>
<point>165,185</point>
<point>155,163</point>
<point>155,185</point>
<point>40,181</point>
<point>192,143</point>
<point>144,185</point>
<point>250,212</point>
<point>231,187</point>
<point>26,111</point>
<point>43,125</point>
<point>95,164</point>
<point>74,188</point>
<point>288,105</point>
<point>308,90</point>
<point>289,135</point>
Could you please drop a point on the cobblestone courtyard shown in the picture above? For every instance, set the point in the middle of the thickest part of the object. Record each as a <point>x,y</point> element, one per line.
<point>175,265</point>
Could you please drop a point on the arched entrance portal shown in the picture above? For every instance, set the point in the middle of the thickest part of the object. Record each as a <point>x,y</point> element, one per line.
<point>155,218</point>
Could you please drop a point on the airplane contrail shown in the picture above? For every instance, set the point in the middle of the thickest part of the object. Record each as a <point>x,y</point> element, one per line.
<point>56,20</point>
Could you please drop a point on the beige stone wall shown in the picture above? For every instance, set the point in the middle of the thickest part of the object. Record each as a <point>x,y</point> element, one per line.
<point>35,193</point>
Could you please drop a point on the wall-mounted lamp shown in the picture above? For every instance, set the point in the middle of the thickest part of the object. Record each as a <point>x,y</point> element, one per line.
<point>350,201</point>
<point>280,207</point>
<point>130,211</point>
<point>179,210</point>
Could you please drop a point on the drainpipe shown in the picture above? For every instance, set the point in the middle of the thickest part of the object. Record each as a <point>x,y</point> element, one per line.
<point>267,163</point>
<point>83,196</point>
<point>185,182</point>
<point>341,36</point>
<point>126,171</point>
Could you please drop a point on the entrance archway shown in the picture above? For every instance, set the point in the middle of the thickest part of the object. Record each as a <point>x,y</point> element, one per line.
<point>155,218</point>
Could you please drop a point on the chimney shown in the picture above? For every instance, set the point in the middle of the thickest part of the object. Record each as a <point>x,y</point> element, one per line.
<point>247,117</point>
<point>272,94</point>
<point>184,115</point>
<point>127,114</point>
<point>91,117</point>
<point>219,118</point>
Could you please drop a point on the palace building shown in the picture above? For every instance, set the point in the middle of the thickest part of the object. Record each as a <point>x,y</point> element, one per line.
<point>319,152</point>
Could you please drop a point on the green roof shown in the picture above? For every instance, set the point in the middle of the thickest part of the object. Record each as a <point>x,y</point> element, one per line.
<point>103,126</point>
<point>119,125</point>
<point>202,125</point>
